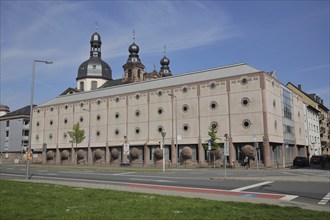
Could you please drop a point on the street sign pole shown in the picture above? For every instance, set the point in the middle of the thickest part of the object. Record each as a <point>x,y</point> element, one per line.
<point>257,149</point>
<point>208,152</point>
<point>226,153</point>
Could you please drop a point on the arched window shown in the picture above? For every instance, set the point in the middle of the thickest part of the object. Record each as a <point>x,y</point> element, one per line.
<point>81,86</point>
<point>93,85</point>
<point>139,73</point>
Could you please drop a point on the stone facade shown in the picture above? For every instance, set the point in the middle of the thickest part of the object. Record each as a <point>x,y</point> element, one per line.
<point>243,102</point>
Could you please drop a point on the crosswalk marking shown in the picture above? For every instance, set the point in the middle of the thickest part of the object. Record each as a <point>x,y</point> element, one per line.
<point>251,186</point>
<point>288,198</point>
<point>325,199</point>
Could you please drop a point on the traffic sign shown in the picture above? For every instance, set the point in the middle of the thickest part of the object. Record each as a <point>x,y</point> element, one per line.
<point>226,148</point>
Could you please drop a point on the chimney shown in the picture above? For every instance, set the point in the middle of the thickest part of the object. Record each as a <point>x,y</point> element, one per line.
<point>299,87</point>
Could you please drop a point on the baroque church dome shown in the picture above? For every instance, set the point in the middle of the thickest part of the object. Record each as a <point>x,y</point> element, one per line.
<point>95,67</point>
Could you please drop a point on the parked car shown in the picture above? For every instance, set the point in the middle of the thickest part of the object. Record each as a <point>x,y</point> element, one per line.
<point>315,159</point>
<point>300,161</point>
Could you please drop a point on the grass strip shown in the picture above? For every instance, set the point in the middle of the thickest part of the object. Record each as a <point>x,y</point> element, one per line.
<point>26,200</point>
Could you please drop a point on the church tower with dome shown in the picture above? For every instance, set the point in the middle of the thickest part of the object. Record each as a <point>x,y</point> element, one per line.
<point>133,68</point>
<point>165,69</point>
<point>94,72</point>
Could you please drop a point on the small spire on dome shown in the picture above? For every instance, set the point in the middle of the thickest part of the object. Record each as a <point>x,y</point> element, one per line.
<point>133,35</point>
<point>164,49</point>
<point>96,26</point>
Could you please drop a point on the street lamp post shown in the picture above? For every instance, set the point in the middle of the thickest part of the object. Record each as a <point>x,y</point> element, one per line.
<point>163,146</point>
<point>176,120</point>
<point>31,108</point>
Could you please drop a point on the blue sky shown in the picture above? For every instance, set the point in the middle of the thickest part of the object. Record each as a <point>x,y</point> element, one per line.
<point>290,37</point>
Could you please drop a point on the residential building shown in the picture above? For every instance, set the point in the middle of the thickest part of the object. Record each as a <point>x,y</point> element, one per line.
<point>14,133</point>
<point>317,125</point>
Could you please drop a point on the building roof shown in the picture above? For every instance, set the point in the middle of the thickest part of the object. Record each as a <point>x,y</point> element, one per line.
<point>309,96</point>
<point>70,90</point>
<point>193,77</point>
<point>19,113</point>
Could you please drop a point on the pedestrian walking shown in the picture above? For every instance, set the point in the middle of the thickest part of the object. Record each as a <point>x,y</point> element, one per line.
<point>246,162</point>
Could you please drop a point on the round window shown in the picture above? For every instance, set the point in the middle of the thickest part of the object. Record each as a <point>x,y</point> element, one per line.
<point>81,119</point>
<point>213,105</point>
<point>214,125</point>
<point>184,89</point>
<point>66,106</point>
<point>65,135</point>
<point>50,136</point>
<point>137,130</point>
<point>98,117</point>
<point>51,109</point>
<point>212,85</point>
<point>98,102</point>
<point>185,127</point>
<point>137,113</point>
<point>117,115</point>
<point>117,132</point>
<point>51,122</point>
<point>38,124</point>
<point>117,99</point>
<point>98,133</point>
<point>245,102</point>
<point>38,111</point>
<point>137,96</point>
<point>81,104</point>
<point>160,110</point>
<point>185,108</point>
<point>160,128</point>
<point>65,121</point>
<point>244,81</point>
<point>160,93</point>
<point>246,123</point>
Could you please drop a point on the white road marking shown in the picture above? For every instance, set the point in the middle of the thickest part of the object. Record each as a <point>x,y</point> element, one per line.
<point>122,174</point>
<point>163,181</point>
<point>251,186</point>
<point>48,174</point>
<point>325,199</point>
<point>288,197</point>
<point>43,171</point>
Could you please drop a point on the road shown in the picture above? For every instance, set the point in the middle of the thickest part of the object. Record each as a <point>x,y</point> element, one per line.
<point>303,186</point>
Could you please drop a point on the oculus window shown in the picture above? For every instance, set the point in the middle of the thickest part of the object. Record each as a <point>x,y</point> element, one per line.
<point>246,123</point>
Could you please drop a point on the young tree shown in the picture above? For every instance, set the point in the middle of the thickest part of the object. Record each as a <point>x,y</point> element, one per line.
<point>214,145</point>
<point>213,137</point>
<point>77,135</point>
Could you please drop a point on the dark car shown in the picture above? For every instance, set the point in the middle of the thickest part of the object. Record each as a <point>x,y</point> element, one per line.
<point>315,159</point>
<point>300,162</point>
